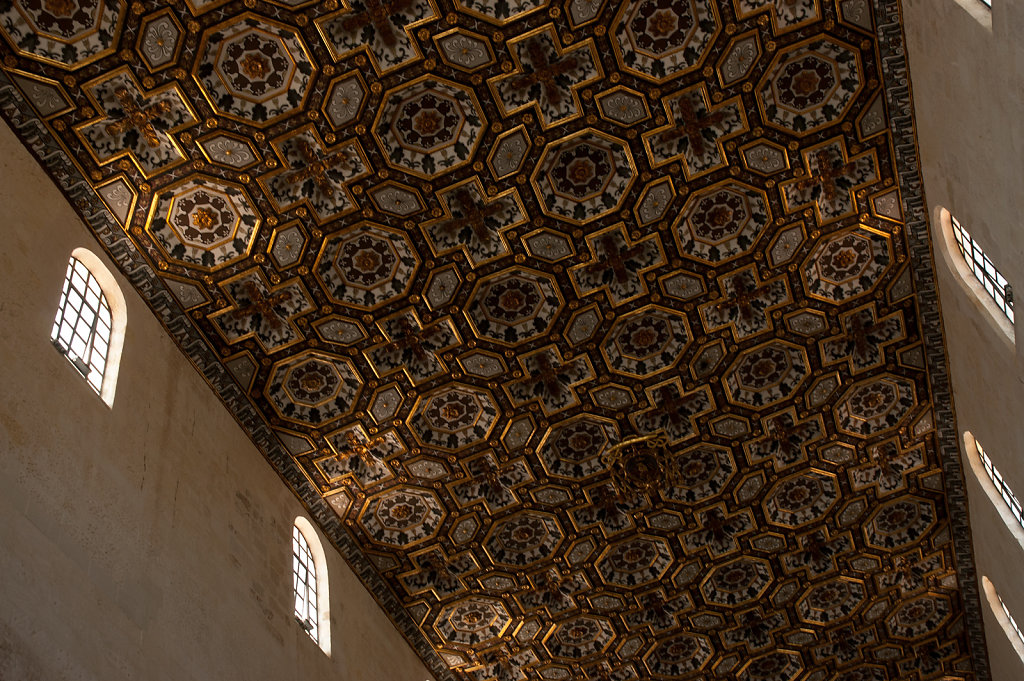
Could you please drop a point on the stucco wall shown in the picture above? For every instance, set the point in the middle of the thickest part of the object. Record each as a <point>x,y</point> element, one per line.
<point>967,74</point>
<point>148,541</point>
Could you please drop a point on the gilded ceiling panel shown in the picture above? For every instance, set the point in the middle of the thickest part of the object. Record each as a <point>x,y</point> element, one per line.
<point>597,336</point>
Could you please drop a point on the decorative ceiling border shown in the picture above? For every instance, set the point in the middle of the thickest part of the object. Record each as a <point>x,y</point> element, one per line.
<point>899,98</point>
<point>55,160</point>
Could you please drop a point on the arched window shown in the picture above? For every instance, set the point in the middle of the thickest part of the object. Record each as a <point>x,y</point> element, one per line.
<point>89,325</point>
<point>995,487</point>
<point>976,272</point>
<point>309,584</point>
<point>1003,616</point>
<point>994,282</point>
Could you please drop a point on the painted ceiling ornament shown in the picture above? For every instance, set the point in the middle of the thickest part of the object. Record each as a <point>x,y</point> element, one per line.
<point>315,175</point>
<point>68,33</point>
<point>203,222</point>
<point>381,28</point>
<point>453,254</point>
<point>786,15</point>
<point>254,70</point>
<point>831,180</point>
<point>696,132</point>
<point>642,464</point>
<point>429,126</point>
<point>810,85</point>
<point>662,39</point>
<point>548,76</point>
<point>262,312</point>
<point>136,124</point>
<point>584,176</point>
<point>474,222</point>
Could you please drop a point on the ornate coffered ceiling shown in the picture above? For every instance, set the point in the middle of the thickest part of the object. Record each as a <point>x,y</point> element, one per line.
<point>600,337</point>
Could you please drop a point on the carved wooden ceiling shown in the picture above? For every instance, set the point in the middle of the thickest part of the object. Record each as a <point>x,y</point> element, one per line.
<point>593,333</point>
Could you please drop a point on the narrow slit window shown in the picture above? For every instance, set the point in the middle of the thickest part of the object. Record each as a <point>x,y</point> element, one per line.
<point>1004,490</point>
<point>82,326</point>
<point>304,581</point>
<point>1009,617</point>
<point>985,271</point>
<point>1003,616</point>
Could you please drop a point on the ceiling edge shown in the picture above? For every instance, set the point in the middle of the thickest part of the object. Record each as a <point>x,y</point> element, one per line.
<point>899,99</point>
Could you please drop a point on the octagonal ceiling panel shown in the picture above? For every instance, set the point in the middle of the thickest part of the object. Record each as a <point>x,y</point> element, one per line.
<point>566,289</point>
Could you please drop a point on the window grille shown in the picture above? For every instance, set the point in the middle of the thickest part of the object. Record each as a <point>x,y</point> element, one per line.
<point>81,328</point>
<point>1004,490</point>
<point>304,581</point>
<point>1013,622</point>
<point>983,269</point>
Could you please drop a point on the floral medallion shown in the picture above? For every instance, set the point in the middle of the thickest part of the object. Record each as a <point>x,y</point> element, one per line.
<point>847,264</point>
<point>766,375</point>
<point>810,86</point>
<point>524,538</point>
<point>313,388</point>
<point>453,417</point>
<point>662,39</point>
<point>635,562</point>
<point>366,265</point>
<point>646,342</point>
<point>920,616</point>
<point>831,601</point>
<point>203,222</point>
<point>738,582</point>
<point>581,637</point>
<point>702,472</point>
<point>254,70</point>
<point>875,406</point>
<point>69,33</point>
<point>679,655</point>
<point>513,306</point>
<point>574,448</point>
<point>474,620</point>
<point>780,665</point>
<point>402,517</point>
<point>901,522</point>
<point>722,223</point>
<point>584,176</point>
<point>802,499</point>
<point>429,127</point>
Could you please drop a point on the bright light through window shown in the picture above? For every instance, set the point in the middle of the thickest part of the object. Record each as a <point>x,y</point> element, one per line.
<point>983,269</point>
<point>1004,490</point>
<point>81,329</point>
<point>304,580</point>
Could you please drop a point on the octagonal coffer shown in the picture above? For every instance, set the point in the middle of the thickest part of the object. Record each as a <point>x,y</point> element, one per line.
<point>453,417</point>
<point>429,127</point>
<point>366,265</point>
<point>203,222</point>
<point>253,69</point>
<point>313,388</point>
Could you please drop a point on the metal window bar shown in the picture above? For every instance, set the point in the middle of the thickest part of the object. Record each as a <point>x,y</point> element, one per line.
<point>81,327</point>
<point>984,269</point>
<point>1013,622</point>
<point>1004,490</point>
<point>304,583</point>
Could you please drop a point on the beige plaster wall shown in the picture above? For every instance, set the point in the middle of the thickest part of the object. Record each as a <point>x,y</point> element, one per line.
<point>967,74</point>
<point>148,541</point>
